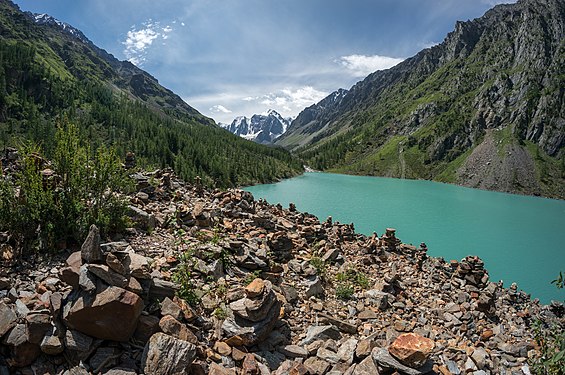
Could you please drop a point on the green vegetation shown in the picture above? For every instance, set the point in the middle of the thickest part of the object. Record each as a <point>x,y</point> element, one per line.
<point>344,291</point>
<point>551,341</point>
<point>182,276</point>
<point>47,75</point>
<point>423,118</point>
<point>349,280</point>
<point>319,265</point>
<point>57,206</point>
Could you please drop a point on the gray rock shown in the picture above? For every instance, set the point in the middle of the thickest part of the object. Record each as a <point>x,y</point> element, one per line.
<point>314,287</point>
<point>51,344</point>
<point>7,318</point>
<point>21,309</point>
<point>316,366</point>
<point>77,341</point>
<point>17,336</point>
<point>77,370</point>
<point>246,332</point>
<point>164,355</point>
<point>384,359</point>
<point>136,265</point>
<point>168,307</point>
<point>452,367</point>
<point>160,289</point>
<point>315,333</point>
<point>328,355</point>
<point>86,280</point>
<point>143,219</point>
<point>366,367</point>
<point>109,276</point>
<point>342,325</point>
<point>346,350</point>
<point>294,351</point>
<point>480,356</point>
<point>90,250</point>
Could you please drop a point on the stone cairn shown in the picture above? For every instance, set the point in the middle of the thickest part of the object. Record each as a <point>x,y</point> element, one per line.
<point>254,315</point>
<point>389,239</point>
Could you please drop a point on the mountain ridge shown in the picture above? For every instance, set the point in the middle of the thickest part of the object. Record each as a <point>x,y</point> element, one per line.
<point>51,73</point>
<point>262,128</point>
<point>497,79</point>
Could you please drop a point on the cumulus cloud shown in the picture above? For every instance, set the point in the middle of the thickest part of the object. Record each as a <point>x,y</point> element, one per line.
<point>362,66</point>
<point>289,99</point>
<point>138,41</point>
<point>218,108</point>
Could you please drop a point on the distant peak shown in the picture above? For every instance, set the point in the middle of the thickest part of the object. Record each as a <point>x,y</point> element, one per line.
<point>46,19</point>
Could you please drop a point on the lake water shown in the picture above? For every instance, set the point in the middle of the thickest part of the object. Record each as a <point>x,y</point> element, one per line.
<point>520,238</point>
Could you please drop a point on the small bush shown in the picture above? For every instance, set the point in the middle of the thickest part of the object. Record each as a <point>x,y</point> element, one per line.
<point>83,190</point>
<point>344,291</point>
<point>319,265</point>
<point>182,276</point>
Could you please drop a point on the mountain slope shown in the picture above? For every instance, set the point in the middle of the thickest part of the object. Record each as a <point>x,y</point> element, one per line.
<point>263,128</point>
<point>485,108</point>
<point>50,72</point>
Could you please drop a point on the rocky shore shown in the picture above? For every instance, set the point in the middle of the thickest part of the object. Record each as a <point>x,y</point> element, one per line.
<point>216,282</point>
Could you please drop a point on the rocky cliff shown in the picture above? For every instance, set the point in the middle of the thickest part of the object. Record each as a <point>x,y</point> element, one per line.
<point>210,281</point>
<point>484,109</point>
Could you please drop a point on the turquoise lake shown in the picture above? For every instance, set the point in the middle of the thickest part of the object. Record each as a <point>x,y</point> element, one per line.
<point>520,238</point>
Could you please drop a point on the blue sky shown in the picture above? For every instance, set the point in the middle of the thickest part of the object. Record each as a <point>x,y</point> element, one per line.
<point>239,57</point>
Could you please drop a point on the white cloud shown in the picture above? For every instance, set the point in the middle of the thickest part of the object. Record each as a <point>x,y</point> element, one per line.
<point>289,99</point>
<point>362,66</point>
<point>218,108</point>
<point>138,41</point>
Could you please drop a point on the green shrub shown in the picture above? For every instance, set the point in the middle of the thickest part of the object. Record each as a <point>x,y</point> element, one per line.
<point>182,275</point>
<point>319,264</point>
<point>83,191</point>
<point>551,341</point>
<point>344,291</point>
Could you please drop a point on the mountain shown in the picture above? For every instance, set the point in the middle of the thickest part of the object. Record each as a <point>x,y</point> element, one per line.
<point>307,126</point>
<point>485,108</point>
<point>263,128</point>
<point>50,73</point>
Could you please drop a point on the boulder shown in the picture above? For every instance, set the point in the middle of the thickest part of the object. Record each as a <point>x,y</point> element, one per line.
<point>166,355</point>
<point>111,314</point>
<point>412,349</point>
<point>8,318</point>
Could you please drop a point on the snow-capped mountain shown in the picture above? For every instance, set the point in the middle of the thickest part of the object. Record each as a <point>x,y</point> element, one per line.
<point>263,128</point>
<point>45,19</point>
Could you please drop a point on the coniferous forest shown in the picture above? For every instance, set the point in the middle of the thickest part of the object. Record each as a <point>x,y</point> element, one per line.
<point>49,77</point>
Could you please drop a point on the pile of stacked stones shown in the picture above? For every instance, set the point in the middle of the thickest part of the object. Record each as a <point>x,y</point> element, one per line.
<point>266,297</point>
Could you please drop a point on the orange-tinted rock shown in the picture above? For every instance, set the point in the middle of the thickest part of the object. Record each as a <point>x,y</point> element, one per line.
<point>256,288</point>
<point>411,349</point>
